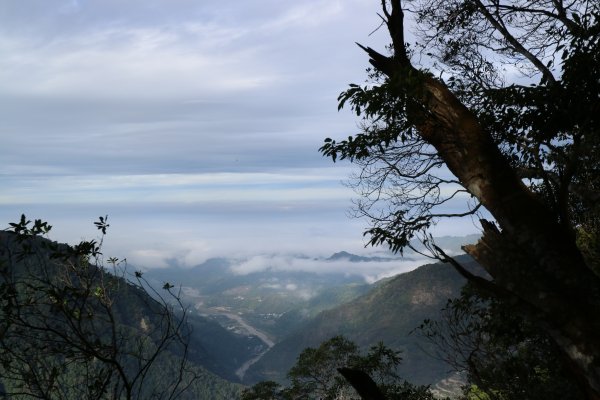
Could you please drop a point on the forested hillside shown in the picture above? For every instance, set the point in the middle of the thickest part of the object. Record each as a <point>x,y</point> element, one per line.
<point>73,329</point>
<point>390,312</point>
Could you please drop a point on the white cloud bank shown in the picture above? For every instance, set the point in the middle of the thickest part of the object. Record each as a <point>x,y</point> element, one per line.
<point>371,271</point>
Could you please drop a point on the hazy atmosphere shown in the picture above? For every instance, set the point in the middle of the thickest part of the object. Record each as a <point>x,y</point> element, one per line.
<point>237,261</point>
<point>195,125</point>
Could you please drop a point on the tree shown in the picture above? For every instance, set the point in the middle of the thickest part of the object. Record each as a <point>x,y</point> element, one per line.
<point>505,357</point>
<point>526,153</point>
<point>315,373</point>
<point>323,372</point>
<point>266,390</point>
<point>72,329</point>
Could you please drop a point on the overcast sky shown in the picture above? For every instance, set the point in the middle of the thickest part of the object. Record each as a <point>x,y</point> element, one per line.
<point>194,124</point>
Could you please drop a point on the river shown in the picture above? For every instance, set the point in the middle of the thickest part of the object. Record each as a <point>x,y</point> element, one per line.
<point>264,337</point>
<point>241,371</point>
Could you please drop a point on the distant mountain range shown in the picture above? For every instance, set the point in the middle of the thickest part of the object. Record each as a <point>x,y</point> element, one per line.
<point>304,301</point>
<point>272,299</point>
<point>345,256</point>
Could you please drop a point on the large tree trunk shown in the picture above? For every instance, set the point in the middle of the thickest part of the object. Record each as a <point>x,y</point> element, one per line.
<point>531,256</point>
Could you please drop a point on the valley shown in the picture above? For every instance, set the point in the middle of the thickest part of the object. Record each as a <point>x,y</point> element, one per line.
<point>248,326</point>
<point>234,323</point>
<point>273,313</point>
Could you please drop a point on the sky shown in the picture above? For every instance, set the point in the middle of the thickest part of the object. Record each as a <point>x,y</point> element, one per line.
<point>193,124</point>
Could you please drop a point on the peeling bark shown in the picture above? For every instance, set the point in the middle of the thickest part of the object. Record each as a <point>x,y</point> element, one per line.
<point>532,257</point>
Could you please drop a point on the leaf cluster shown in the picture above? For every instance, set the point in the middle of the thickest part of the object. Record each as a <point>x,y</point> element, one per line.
<point>315,374</point>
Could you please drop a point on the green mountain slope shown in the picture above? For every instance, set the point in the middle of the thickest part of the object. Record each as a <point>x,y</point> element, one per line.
<point>388,313</point>
<point>134,320</point>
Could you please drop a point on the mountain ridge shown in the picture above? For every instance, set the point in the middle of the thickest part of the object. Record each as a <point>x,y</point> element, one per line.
<point>389,312</point>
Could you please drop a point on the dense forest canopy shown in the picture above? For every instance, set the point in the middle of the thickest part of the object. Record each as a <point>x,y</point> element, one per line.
<point>509,104</point>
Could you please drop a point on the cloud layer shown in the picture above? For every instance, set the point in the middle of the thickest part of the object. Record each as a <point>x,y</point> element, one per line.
<point>194,125</point>
<point>371,271</point>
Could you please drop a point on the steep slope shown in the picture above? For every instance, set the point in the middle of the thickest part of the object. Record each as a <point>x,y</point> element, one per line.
<point>52,317</point>
<point>388,313</point>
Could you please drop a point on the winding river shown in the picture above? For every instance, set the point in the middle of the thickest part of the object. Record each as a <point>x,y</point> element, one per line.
<point>241,371</point>
<point>250,330</point>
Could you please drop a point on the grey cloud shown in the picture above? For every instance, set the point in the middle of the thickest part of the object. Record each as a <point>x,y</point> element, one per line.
<point>113,88</point>
<point>132,127</point>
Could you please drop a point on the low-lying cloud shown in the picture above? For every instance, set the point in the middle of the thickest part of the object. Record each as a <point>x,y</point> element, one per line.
<point>371,271</point>
<point>194,125</point>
